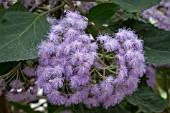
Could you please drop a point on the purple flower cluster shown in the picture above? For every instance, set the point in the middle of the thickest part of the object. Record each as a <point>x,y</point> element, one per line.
<point>86,6</point>
<point>130,63</point>
<point>73,68</point>
<point>65,60</point>
<point>151,75</point>
<point>159,15</point>
<point>32,4</point>
<point>20,93</point>
<point>7,3</point>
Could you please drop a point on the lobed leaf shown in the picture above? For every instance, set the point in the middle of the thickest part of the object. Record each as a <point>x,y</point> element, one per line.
<point>20,32</point>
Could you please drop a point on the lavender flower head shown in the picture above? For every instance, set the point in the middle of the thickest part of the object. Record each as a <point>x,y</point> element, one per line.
<point>22,90</point>
<point>65,60</point>
<point>32,4</point>
<point>86,6</point>
<point>74,69</point>
<point>158,15</point>
<point>151,75</point>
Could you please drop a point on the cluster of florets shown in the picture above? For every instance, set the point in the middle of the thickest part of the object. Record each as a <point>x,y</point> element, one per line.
<point>31,4</point>
<point>75,68</point>
<point>85,6</point>
<point>159,15</point>
<point>21,89</point>
<point>6,4</point>
<point>129,59</point>
<point>151,73</point>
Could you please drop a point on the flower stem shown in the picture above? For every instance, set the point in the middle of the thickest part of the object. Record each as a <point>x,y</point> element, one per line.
<point>4,104</point>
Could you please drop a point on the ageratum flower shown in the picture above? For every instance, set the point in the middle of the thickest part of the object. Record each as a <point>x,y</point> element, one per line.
<point>76,68</point>
<point>65,60</point>
<point>158,15</point>
<point>86,6</point>
<point>23,91</point>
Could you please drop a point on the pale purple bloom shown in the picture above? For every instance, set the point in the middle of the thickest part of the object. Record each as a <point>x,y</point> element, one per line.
<point>74,15</point>
<point>120,59</point>
<point>68,70</point>
<point>30,72</point>
<point>125,34</point>
<point>57,82</point>
<point>58,29</point>
<point>151,75</point>
<point>47,87</point>
<point>111,45</point>
<point>16,84</point>
<point>95,89</point>
<point>25,95</point>
<point>86,6</point>
<point>122,71</point>
<point>57,71</point>
<point>91,102</point>
<point>76,98</point>
<point>103,38</point>
<point>72,34</point>
<point>70,62</point>
<point>159,18</point>
<point>80,24</point>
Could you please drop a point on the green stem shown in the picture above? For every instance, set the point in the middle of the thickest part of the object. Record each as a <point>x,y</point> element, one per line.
<point>10,79</point>
<point>98,73</point>
<point>108,67</point>
<point>99,59</point>
<point>12,71</point>
<point>112,71</point>
<point>7,77</point>
<point>105,56</point>
<point>4,103</point>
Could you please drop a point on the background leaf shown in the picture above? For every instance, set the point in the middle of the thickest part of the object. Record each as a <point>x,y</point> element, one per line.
<point>116,109</point>
<point>20,32</point>
<point>136,5</point>
<point>18,6</point>
<point>147,100</point>
<point>101,13</point>
<point>156,43</point>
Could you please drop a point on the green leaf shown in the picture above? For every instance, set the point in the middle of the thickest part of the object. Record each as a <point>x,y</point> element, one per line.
<point>18,6</point>
<point>163,77</point>
<point>101,13</point>
<point>136,5</point>
<point>6,67</point>
<point>147,100</point>
<point>116,109</point>
<point>156,43</point>
<point>20,32</point>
